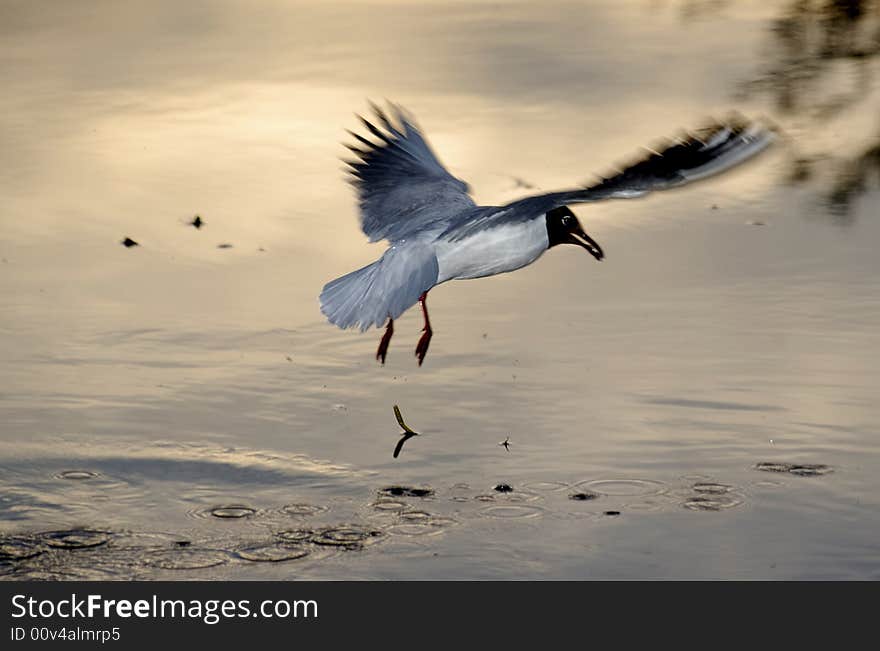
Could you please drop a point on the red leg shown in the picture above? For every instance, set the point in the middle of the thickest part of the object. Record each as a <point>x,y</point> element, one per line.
<point>422,347</point>
<point>386,339</point>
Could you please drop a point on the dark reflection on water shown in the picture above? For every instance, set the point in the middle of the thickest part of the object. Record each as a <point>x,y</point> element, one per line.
<point>820,64</point>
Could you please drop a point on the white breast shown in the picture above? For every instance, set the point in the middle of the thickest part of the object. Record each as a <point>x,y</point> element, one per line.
<point>492,251</point>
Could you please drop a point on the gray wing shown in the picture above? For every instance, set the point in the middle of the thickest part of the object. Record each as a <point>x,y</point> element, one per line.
<point>386,288</point>
<point>701,154</point>
<point>402,186</point>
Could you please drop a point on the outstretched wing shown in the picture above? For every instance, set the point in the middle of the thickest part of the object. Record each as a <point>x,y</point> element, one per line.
<point>697,155</point>
<point>401,185</point>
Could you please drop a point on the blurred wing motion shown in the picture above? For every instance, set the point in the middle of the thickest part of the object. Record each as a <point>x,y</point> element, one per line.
<point>697,155</point>
<point>401,185</point>
<point>703,153</point>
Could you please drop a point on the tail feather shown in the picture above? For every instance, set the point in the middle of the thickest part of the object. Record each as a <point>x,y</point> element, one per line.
<point>381,290</point>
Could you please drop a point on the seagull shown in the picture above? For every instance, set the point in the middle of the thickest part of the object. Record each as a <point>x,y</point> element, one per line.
<point>407,432</point>
<point>437,233</point>
<point>506,443</point>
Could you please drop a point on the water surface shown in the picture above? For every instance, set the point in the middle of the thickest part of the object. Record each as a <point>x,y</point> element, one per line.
<point>179,410</point>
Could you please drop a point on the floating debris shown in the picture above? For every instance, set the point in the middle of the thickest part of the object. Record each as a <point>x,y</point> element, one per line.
<point>128,243</point>
<point>799,469</point>
<point>225,245</point>
<point>406,491</point>
<point>755,222</point>
<point>407,432</point>
<point>612,514</point>
<point>583,497</point>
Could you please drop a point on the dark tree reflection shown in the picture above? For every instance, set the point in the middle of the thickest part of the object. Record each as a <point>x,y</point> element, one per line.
<point>821,60</point>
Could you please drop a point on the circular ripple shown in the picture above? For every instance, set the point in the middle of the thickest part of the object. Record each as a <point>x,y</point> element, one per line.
<point>389,505</point>
<point>624,487</point>
<point>346,537</point>
<point>406,491</point>
<point>185,558</point>
<point>484,498</point>
<point>712,488</point>
<point>272,553</point>
<point>414,529</point>
<point>232,512</point>
<point>303,509</point>
<point>547,486</point>
<point>415,516</point>
<point>295,535</point>
<point>511,511</point>
<point>19,548</point>
<point>713,503</point>
<point>76,538</point>
<point>77,475</point>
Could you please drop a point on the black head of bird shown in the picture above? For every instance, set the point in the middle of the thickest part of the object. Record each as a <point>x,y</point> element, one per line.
<point>563,227</point>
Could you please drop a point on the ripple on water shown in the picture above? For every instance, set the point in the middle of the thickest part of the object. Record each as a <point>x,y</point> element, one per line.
<point>547,486</point>
<point>798,469</point>
<point>389,505</point>
<point>225,512</point>
<point>714,502</point>
<point>77,475</point>
<point>185,558</point>
<point>76,538</point>
<point>347,536</point>
<point>712,488</point>
<point>19,548</point>
<point>623,487</point>
<point>303,509</point>
<point>511,511</point>
<point>295,535</point>
<point>272,552</point>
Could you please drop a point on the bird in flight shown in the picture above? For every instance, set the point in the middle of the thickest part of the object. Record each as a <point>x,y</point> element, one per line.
<point>407,432</point>
<point>506,443</point>
<point>437,233</point>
